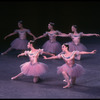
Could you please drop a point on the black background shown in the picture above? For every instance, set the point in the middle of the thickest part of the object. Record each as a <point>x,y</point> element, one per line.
<point>37,14</point>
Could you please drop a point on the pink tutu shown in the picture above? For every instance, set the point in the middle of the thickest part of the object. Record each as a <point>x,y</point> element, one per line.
<point>75,71</point>
<point>19,44</point>
<point>79,47</point>
<point>35,69</point>
<point>52,47</point>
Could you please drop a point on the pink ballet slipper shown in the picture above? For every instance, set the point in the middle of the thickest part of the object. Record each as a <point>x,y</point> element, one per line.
<point>3,53</point>
<point>67,86</point>
<point>13,78</point>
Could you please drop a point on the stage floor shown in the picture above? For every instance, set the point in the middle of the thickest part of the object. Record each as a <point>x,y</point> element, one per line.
<point>51,84</point>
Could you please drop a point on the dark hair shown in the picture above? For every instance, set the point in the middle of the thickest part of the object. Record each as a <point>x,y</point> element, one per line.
<point>65,44</point>
<point>75,26</point>
<point>21,22</point>
<point>31,42</point>
<point>52,24</point>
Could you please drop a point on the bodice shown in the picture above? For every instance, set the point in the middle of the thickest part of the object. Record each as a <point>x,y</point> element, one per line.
<point>22,33</point>
<point>33,56</point>
<point>76,38</point>
<point>70,60</point>
<point>52,36</point>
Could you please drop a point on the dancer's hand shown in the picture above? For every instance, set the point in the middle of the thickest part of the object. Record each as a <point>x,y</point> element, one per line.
<point>93,52</point>
<point>5,37</point>
<point>35,38</point>
<point>18,56</point>
<point>97,35</point>
<point>44,57</point>
<point>32,40</point>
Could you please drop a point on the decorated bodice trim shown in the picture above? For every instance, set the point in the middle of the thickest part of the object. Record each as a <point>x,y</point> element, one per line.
<point>66,58</point>
<point>33,54</point>
<point>76,36</point>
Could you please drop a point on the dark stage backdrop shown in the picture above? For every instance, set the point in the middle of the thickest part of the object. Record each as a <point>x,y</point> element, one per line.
<point>37,14</point>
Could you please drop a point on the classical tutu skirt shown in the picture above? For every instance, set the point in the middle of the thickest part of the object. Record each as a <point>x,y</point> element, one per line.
<point>19,44</point>
<point>75,71</point>
<point>35,69</point>
<point>79,47</point>
<point>52,47</point>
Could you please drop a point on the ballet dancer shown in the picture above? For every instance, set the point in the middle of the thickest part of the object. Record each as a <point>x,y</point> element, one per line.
<point>75,44</point>
<point>33,67</point>
<point>19,43</point>
<point>70,70</point>
<point>51,45</point>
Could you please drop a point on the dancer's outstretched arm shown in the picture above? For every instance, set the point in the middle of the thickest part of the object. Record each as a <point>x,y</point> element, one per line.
<point>10,35</point>
<point>22,54</point>
<point>44,35</point>
<point>53,57</point>
<point>47,53</point>
<point>64,35</point>
<point>84,52</point>
<point>34,37</point>
<point>91,34</point>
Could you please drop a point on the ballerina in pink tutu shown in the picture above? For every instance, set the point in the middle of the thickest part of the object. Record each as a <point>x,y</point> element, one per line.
<point>70,70</point>
<point>33,67</point>
<point>51,45</point>
<point>76,44</point>
<point>21,42</point>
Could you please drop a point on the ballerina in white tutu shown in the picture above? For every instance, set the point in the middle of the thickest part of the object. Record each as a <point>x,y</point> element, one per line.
<point>76,44</point>
<point>33,67</point>
<point>70,70</point>
<point>19,43</point>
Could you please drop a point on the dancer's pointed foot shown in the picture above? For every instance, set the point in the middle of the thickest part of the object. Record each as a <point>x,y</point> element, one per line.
<point>13,78</point>
<point>64,81</point>
<point>3,53</point>
<point>67,86</point>
<point>36,79</point>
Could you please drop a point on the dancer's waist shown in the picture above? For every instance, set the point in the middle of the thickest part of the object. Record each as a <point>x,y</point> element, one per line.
<point>22,38</point>
<point>70,64</point>
<point>52,40</point>
<point>76,42</point>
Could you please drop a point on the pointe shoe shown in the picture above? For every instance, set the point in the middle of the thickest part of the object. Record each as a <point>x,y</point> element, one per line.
<point>67,81</point>
<point>13,78</point>
<point>35,80</point>
<point>67,86</point>
<point>3,53</point>
<point>64,81</point>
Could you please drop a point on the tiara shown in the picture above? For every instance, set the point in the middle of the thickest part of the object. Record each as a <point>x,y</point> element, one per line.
<point>52,23</point>
<point>32,41</point>
<point>20,21</point>
<point>66,44</point>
